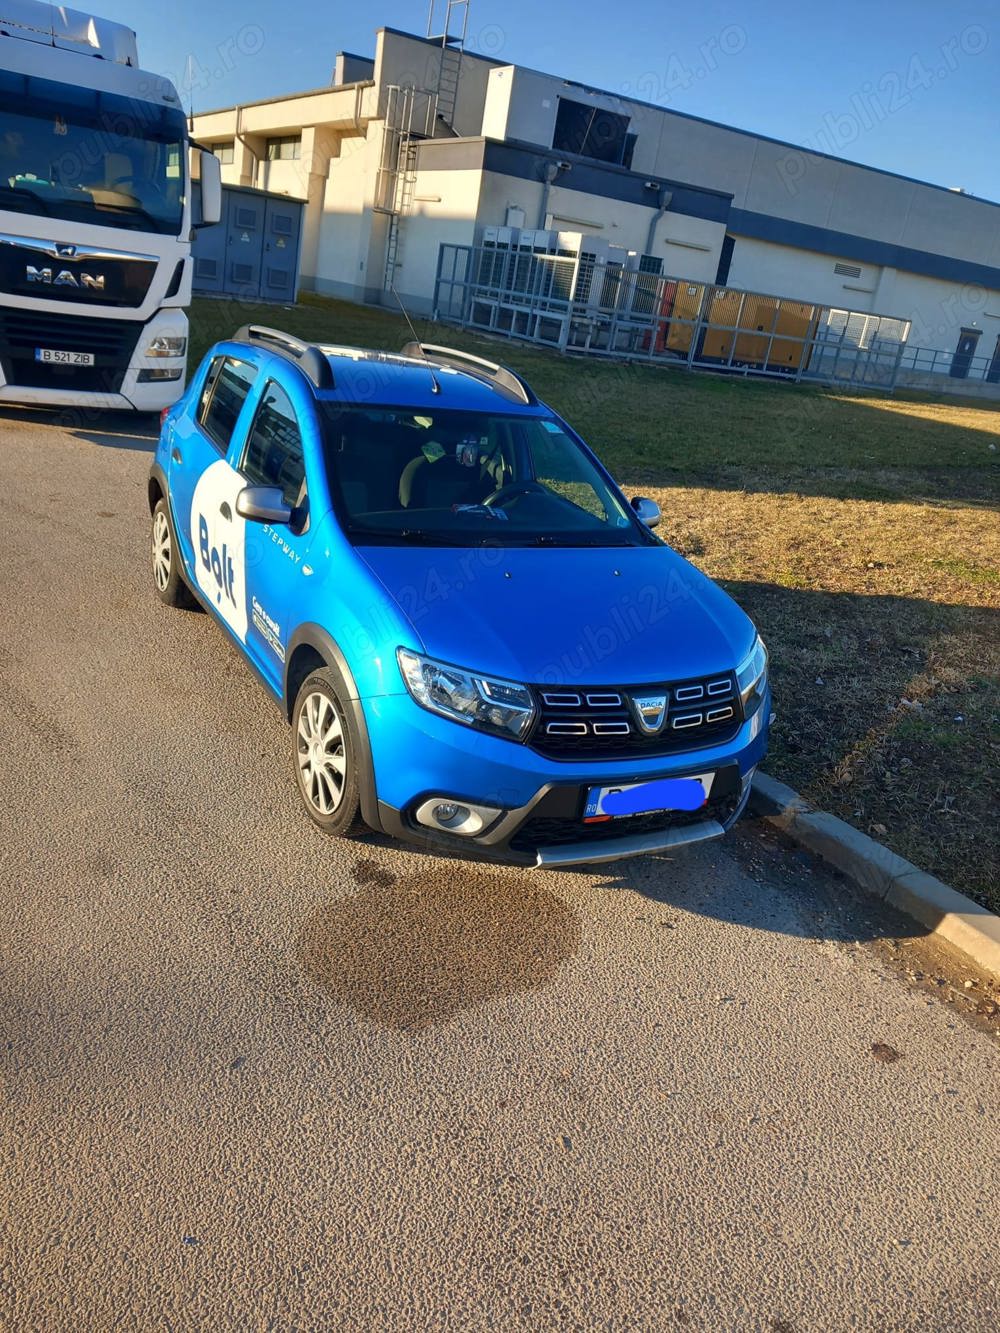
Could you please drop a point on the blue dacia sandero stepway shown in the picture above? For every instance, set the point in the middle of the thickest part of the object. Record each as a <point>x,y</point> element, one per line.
<point>478,641</point>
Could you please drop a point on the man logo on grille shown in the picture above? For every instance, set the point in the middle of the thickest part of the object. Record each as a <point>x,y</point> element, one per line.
<point>650,711</point>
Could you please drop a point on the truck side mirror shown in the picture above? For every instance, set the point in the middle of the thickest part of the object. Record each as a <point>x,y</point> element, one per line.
<point>211,190</point>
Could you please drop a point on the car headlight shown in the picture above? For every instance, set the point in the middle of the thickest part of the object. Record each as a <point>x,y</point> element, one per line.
<point>751,677</point>
<point>163,345</point>
<point>499,706</point>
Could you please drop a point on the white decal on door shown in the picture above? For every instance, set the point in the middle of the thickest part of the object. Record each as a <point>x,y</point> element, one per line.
<point>219,538</point>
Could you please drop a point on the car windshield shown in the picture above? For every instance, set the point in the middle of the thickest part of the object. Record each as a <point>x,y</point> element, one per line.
<point>88,156</point>
<point>467,478</point>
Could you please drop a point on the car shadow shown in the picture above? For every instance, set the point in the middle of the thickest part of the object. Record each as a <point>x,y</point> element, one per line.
<point>135,431</point>
<point>757,879</point>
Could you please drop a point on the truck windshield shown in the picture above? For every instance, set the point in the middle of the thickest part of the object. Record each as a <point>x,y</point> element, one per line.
<point>88,156</point>
<point>467,478</point>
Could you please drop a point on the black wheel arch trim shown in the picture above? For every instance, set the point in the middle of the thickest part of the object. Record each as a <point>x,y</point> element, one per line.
<point>157,477</point>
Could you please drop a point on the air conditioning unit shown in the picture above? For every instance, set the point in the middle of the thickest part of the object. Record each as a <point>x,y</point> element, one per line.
<point>499,236</point>
<point>541,242</point>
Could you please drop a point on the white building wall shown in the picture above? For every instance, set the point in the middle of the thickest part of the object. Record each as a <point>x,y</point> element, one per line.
<point>345,232</point>
<point>444,211</point>
<point>778,270</point>
<point>401,59</point>
<point>762,176</point>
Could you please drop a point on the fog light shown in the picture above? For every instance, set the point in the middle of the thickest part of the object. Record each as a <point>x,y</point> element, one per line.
<point>148,376</point>
<point>459,817</point>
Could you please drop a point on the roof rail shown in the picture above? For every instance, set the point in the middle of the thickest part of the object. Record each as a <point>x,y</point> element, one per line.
<point>308,356</point>
<point>500,377</point>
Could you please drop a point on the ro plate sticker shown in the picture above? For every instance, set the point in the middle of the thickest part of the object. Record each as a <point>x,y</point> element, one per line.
<point>218,535</point>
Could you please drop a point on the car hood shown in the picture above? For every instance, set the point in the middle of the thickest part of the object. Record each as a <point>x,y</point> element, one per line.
<point>610,615</point>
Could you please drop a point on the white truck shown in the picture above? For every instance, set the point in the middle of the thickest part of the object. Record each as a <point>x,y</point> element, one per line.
<point>95,215</point>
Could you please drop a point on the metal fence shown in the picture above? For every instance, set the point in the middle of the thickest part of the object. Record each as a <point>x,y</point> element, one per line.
<point>578,304</point>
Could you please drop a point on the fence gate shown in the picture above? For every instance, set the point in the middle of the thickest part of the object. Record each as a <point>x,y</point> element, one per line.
<point>253,253</point>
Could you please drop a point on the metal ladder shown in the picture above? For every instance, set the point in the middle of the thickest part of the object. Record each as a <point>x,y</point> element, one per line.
<point>452,41</point>
<point>397,173</point>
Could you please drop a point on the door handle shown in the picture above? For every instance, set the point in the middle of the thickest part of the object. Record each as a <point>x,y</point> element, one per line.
<point>176,455</point>
<point>224,510</point>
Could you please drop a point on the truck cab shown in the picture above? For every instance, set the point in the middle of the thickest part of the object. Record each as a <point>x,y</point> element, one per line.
<point>95,216</point>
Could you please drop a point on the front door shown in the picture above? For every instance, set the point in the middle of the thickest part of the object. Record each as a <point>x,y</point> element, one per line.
<point>281,238</point>
<point>964,353</point>
<point>203,485</point>
<point>277,555</point>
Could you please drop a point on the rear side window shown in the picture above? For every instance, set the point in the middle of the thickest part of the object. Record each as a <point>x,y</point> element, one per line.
<point>274,450</point>
<point>226,386</point>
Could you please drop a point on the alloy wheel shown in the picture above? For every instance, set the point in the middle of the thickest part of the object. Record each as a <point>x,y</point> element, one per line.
<point>321,752</point>
<point>162,552</point>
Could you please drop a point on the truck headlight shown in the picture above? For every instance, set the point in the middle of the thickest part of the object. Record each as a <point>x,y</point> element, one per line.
<point>166,345</point>
<point>751,677</point>
<point>499,706</point>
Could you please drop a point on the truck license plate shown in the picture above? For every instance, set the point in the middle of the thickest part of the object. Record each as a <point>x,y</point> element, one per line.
<point>57,358</point>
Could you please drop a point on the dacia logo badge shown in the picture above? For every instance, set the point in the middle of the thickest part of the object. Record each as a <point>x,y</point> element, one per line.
<point>650,711</point>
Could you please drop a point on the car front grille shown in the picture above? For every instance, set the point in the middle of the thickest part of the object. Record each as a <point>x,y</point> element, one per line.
<point>606,721</point>
<point>111,342</point>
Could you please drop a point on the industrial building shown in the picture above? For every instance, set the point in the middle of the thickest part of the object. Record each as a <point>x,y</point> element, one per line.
<point>428,166</point>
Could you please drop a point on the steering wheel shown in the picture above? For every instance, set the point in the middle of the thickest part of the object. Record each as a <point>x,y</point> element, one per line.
<point>512,488</point>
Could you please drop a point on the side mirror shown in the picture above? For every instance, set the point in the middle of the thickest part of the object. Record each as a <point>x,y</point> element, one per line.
<point>211,190</point>
<point>263,504</point>
<point>646,511</point>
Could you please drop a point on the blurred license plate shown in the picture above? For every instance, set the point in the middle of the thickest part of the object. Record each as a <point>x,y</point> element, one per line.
<point>643,798</point>
<point>55,357</point>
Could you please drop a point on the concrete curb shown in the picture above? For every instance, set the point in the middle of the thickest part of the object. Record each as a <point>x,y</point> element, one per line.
<point>874,868</point>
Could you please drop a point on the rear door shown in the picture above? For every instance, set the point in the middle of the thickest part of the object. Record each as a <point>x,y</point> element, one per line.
<point>204,486</point>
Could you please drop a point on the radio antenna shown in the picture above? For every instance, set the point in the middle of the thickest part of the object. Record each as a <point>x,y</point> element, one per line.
<point>416,336</point>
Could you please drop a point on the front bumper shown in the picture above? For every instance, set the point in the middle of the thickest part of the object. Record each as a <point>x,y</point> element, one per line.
<point>417,755</point>
<point>112,383</point>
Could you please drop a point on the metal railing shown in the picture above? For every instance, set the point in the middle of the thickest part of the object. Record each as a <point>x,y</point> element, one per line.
<point>577,304</point>
<point>929,361</point>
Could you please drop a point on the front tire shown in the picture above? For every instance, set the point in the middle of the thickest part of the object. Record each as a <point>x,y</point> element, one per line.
<point>325,756</point>
<point>165,557</point>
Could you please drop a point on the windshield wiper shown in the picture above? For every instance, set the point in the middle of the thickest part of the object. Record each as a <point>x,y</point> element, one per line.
<point>416,536</point>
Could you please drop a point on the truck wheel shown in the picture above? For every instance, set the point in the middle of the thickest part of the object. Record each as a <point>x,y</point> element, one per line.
<point>166,560</point>
<point>326,762</point>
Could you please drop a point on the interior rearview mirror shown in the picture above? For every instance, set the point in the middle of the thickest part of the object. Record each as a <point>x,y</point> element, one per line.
<point>646,511</point>
<point>263,504</point>
<point>211,190</point>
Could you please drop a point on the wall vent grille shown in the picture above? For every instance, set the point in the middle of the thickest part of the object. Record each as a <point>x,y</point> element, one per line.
<point>847,270</point>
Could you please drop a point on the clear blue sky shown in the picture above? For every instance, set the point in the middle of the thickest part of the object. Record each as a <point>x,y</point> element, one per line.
<point>909,85</point>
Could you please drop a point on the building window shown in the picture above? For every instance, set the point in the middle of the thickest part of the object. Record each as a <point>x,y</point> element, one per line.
<point>224,152</point>
<point>590,131</point>
<point>287,149</point>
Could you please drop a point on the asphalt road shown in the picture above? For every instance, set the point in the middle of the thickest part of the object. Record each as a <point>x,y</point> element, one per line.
<point>254,1079</point>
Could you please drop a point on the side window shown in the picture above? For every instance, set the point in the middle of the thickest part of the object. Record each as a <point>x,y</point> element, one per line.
<point>274,449</point>
<point>226,386</point>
